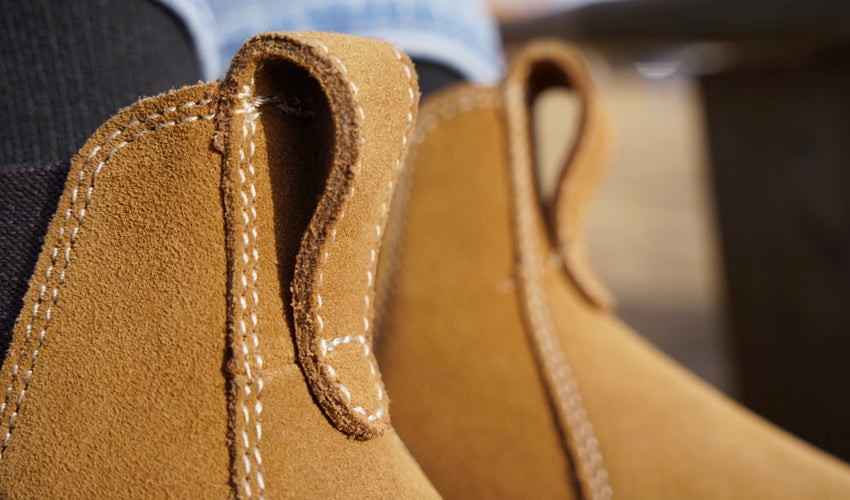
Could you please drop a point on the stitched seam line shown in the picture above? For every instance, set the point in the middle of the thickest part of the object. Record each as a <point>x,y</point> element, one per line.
<point>66,254</point>
<point>248,278</point>
<point>565,387</point>
<point>379,391</point>
<point>373,252</point>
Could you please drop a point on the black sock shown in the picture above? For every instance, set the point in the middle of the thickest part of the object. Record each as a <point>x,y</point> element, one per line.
<point>434,77</point>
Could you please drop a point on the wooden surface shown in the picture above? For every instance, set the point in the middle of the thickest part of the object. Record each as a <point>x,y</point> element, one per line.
<point>781,164</point>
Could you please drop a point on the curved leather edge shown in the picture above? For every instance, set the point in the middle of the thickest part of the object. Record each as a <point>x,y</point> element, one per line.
<point>532,247</point>
<point>356,74</point>
<point>548,64</point>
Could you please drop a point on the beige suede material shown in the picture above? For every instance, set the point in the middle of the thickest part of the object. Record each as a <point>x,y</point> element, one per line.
<point>114,374</point>
<point>564,389</point>
<point>617,417</point>
<point>360,136</point>
<point>550,64</point>
<point>155,355</point>
<point>467,396</point>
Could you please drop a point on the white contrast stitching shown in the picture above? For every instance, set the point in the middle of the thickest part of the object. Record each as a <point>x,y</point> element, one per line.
<point>379,412</point>
<point>250,259</point>
<point>567,395</point>
<point>327,346</point>
<point>54,294</point>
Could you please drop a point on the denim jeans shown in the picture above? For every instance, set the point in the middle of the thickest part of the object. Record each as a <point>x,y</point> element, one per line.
<point>460,34</point>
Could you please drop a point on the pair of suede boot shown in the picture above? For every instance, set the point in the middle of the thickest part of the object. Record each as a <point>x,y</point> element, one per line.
<point>200,322</point>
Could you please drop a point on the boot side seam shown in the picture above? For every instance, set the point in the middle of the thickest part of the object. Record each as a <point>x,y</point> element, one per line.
<point>563,385</point>
<point>250,258</point>
<point>73,237</point>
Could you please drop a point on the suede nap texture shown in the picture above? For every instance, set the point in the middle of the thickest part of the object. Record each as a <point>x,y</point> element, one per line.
<point>509,377</point>
<point>155,355</point>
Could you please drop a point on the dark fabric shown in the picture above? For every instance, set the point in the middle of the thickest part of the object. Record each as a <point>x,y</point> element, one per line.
<point>30,195</point>
<point>65,67</point>
<point>434,76</point>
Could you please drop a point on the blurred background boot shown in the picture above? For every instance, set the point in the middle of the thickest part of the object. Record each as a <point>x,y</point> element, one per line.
<point>509,376</point>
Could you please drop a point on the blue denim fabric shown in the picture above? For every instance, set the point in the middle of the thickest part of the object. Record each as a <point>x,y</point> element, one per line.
<point>460,34</point>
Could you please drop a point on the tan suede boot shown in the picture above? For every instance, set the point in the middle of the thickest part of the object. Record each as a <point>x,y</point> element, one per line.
<point>160,352</point>
<point>510,377</point>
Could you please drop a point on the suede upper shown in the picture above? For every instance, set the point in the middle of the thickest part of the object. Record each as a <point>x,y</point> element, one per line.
<point>510,378</point>
<point>199,321</point>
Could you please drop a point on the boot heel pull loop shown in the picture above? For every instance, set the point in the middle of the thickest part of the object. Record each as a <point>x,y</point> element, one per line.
<point>371,93</point>
<point>539,67</point>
